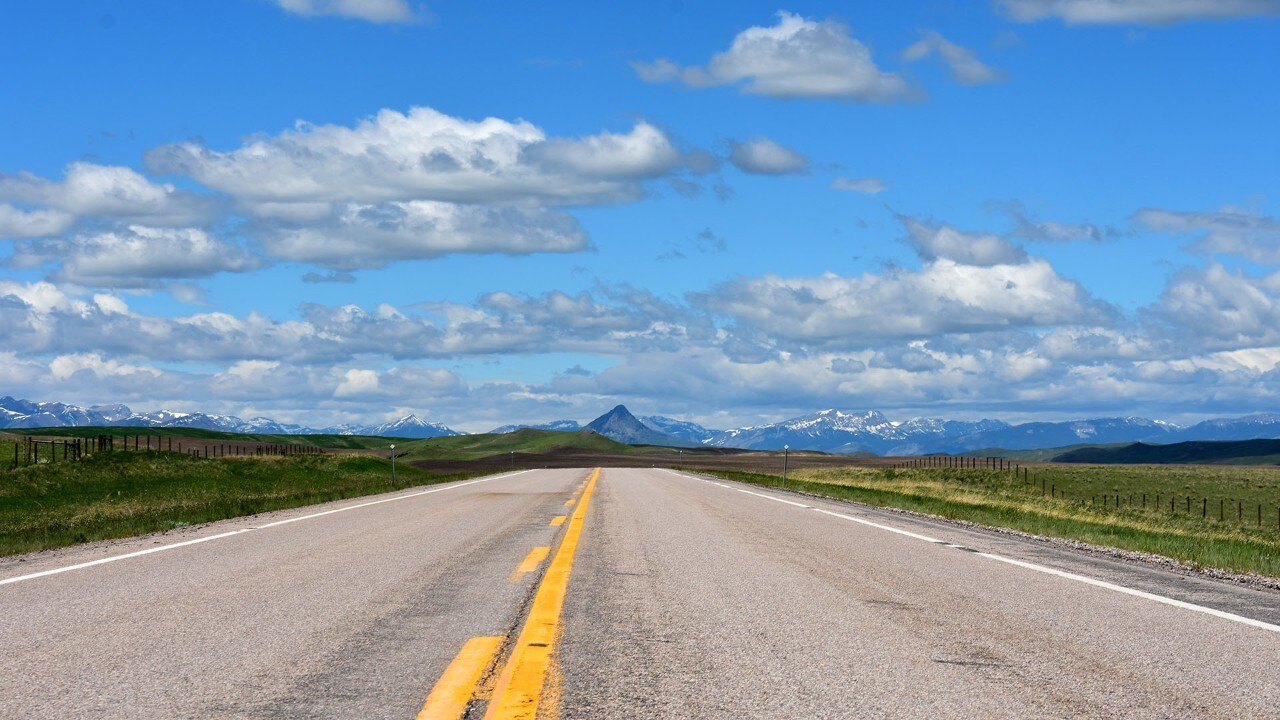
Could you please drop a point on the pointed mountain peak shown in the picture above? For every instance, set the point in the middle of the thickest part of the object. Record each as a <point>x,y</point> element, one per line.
<point>619,412</point>
<point>619,424</point>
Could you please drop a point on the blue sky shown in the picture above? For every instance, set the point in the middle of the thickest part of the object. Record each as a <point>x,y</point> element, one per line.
<point>331,211</point>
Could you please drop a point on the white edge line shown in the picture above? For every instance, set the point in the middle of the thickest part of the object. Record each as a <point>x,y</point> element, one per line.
<point>219,536</point>
<point>1022,564</point>
<point>1136,593</point>
<point>878,526</point>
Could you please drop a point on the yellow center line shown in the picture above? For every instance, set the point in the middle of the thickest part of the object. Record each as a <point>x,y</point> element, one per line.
<point>449,698</point>
<point>558,520</point>
<point>569,502</point>
<point>519,687</point>
<point>530,562</point>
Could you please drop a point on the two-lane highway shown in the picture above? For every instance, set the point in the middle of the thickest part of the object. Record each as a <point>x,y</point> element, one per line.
<point>353,614</point>
<point>710,599</point>
<point>668,596</point>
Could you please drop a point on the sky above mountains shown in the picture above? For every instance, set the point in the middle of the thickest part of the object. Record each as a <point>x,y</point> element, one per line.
<point>331,211</point>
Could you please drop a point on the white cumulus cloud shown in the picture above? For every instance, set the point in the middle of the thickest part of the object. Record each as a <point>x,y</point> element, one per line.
<point>112,192</point>
<point>64,367</point>
<point>18,223</point>
<point>427,155</point>
<point>365,236</point>
<point>797,58</point>
<point>1217,309</point>
<point>358,383</point>
<point>942,297</point>
<point>135,256</point>
<point>943,241</point>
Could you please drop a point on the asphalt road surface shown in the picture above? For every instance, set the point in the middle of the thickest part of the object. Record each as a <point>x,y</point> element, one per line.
<point>685,598</point>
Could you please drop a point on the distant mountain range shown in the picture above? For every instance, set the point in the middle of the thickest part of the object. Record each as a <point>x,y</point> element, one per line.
<point>16,414</point>
<point>836,431</point>
<point>870,431</point>
<point>558,425</point>
<point>828,430</point>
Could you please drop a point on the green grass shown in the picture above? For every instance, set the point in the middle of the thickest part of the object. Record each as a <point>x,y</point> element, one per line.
<point>1230,484</point>
<point>997,499</point>
<point>7,445</point>
<point>122,494</point>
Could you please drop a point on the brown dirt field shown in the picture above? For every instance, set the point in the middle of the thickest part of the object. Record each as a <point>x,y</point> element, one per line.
<point>762,462</point>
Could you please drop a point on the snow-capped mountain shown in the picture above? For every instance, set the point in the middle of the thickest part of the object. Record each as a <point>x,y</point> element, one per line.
<point>113,413</point>
<point>558,425</point>
<point>837,431</point>
<point>410,427</point>
<point>27,414</point>
<point>824,430</point>
<point>688,431</point>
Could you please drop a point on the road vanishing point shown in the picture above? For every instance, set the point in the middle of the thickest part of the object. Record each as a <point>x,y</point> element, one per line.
<point>619,593</point>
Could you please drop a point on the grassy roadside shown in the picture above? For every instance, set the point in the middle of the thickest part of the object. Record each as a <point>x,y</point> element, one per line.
<point>997,500</point>
<point>128,493</point>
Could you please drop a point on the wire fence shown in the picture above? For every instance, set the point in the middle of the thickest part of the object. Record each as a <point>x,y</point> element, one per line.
<point>1249,512</point>
<point>29,451</point>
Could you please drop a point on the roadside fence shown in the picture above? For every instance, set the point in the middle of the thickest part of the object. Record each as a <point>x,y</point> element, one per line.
<point>1251,513</point>
<point>29,451</point>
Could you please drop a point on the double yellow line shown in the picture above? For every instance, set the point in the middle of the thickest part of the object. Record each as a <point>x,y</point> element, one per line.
<point>520,683</point>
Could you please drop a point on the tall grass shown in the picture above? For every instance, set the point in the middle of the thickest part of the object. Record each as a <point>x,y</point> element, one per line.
<point>121,494</point>
<point>998,500</point>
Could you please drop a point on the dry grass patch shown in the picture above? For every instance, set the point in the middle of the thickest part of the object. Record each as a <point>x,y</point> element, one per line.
<point>998,500</point>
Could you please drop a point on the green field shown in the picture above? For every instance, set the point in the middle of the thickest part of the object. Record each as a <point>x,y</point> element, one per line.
<point>120,494</point>
<point>1001,500</point>
<point>525,440</point>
